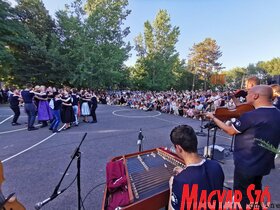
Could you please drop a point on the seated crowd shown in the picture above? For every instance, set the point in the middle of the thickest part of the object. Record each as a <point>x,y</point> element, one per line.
<point>184,103</point>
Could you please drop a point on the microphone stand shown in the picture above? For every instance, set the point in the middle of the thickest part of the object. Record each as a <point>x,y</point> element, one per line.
<point>214,142</point>
<point>201,133</point>
<point>231,145</point>
<point>207,146</point>
<point>210,126</point>
<point>55,193</point>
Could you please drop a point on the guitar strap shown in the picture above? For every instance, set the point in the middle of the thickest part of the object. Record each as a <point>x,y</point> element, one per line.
<point>4,201</point>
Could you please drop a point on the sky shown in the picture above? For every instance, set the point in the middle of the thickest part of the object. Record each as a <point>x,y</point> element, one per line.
<point>247,31</point>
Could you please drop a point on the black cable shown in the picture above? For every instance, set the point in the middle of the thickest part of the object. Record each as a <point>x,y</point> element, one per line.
<point>71,182</point>
<point>82,203</point>
<point>92,190</point>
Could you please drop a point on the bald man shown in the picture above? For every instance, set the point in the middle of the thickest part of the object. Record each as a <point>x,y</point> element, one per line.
<point>252,161</point>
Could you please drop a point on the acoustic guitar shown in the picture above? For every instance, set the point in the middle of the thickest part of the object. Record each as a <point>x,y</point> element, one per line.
<point>9,203</point>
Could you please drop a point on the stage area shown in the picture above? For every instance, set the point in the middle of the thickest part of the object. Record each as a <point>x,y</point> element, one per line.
<point>34,161</point>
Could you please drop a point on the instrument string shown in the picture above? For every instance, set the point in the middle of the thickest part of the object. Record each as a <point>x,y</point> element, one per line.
<point>160,169</point>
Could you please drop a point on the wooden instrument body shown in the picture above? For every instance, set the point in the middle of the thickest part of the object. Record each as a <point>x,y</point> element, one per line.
<point>225,114</point>
<point>12,203</point>
<point>160,196</point>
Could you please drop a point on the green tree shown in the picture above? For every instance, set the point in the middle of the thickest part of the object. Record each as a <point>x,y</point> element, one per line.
<point>272,67</point>
<point>183,77</point>
<point>35,16</point>
<point>104,28</point>
<point>235,77</point>
<point>85,48</point>
<point>12,36</point>
<point>158,66</point>
<point>30,49</point>
<point>258,71</point>
<point>92,50</point>
<point>70,46</point>
<point>203,58</point>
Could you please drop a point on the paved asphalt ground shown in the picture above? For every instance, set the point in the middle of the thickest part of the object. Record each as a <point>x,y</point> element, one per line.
<point>34,161</point>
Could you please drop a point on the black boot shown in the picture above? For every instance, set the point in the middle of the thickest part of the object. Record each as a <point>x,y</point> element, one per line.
<point>44,124</point>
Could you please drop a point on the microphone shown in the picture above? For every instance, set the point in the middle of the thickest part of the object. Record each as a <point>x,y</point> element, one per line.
<point>140,137</point>
<point>39,205</point>
<point>209,125</point>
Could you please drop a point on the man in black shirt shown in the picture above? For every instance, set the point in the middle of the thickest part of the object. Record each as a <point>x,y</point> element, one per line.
<point>14,105</point>
<point>252,161</point>
<point>30,108</point>
<point>75,104</point>
<point>93,108</point>
<point>1,96</point>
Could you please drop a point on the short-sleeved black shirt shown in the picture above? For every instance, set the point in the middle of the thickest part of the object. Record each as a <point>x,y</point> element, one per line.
<point>14,100</point>
<point>207,175</point>
<point>27,96</point>
<point>249,157</point>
